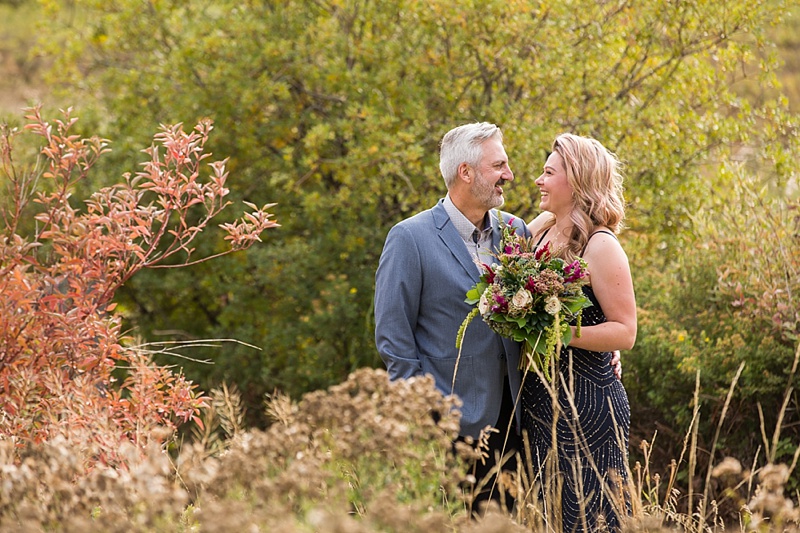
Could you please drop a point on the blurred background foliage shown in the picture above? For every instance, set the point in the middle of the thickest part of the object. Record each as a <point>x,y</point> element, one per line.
<point>334,110</point>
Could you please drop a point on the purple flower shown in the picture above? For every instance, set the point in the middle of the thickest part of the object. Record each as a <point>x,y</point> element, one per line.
<point>501,303</point>
<point>573,272</point>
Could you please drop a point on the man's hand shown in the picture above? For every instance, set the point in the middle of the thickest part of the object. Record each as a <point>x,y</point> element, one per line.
<point>616,364</point>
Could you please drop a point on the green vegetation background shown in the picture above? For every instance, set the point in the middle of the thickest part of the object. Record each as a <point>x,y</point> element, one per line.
<point>334,109</point>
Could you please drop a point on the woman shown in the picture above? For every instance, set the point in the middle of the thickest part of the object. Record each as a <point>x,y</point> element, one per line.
<point>584,412</point>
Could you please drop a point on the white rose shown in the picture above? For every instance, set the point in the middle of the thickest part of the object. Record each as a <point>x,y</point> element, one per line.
<point>552,305</point>
<point>483,304</point>
<point>522,300</point>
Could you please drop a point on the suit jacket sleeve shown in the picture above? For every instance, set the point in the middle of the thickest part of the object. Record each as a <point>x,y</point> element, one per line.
<point>398,285</point>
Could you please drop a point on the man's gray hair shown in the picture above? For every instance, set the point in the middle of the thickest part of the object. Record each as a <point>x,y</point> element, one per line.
<point>464,145</point>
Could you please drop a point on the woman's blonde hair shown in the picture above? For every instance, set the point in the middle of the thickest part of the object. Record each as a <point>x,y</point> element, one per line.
<point>595,175</point>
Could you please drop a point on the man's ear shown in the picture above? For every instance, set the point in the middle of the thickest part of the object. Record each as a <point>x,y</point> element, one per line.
<point>465,173</point>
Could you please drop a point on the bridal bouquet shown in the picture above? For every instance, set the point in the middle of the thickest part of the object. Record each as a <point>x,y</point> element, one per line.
<point>529,296</point>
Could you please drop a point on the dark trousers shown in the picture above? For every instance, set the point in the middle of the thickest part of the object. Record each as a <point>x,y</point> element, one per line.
<point>500,447</point>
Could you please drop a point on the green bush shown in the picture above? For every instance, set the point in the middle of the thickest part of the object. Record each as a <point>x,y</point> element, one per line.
<point>730,298</point>
<point>335,112</point>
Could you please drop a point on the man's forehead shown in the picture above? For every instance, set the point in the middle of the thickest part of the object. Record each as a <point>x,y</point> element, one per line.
<point>493,152</point>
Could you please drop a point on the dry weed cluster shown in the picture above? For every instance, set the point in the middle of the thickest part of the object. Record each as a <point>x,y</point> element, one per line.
<point>47,487</point>
<point>354,451</point>
<point>364,456</point>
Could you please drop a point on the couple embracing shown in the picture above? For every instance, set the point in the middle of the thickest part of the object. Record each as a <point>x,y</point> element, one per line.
<point>571,430</point>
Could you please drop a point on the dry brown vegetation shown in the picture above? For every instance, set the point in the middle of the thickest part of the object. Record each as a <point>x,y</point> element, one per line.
<point>364,456</point>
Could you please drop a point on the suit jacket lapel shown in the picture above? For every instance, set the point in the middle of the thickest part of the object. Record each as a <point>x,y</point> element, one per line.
<point>496,233</point>
<point>453,241</point>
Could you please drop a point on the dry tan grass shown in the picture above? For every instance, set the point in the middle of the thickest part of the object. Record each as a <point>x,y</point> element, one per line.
<point>365,456</point>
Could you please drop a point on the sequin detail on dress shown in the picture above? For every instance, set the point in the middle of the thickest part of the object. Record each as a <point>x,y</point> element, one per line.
<point>591,435</point>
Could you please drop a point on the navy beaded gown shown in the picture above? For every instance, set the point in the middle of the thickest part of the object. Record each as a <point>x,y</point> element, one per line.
<point>592,422</point>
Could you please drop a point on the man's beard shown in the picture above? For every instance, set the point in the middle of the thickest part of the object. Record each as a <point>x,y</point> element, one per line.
<point>484,192</point>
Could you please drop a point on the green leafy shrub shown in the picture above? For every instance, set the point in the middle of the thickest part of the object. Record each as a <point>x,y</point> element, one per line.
<point>730,299</point>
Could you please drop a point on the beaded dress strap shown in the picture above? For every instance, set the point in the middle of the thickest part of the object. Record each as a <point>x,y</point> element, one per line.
<point>592,235</point>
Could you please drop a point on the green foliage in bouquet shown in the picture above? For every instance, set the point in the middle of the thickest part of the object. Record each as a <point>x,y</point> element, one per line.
<point>530,296</point>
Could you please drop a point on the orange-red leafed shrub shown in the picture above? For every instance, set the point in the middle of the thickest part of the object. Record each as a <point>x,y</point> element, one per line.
<point>59,336</point>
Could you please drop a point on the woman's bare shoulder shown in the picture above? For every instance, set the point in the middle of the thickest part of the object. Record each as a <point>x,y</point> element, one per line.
<point>536,225</point>
<point>604,250</point>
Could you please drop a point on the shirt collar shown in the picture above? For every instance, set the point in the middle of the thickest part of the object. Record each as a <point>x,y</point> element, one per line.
<point>462,224</point>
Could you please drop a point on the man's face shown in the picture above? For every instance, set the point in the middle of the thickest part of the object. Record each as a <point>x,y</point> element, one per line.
<point>491,174</point>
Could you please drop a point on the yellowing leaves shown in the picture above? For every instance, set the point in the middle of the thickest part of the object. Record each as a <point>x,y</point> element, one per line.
<point>319,134</point>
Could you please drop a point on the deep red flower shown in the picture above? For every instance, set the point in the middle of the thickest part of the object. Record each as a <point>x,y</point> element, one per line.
<point>543,253</point>
<point>489,273</point>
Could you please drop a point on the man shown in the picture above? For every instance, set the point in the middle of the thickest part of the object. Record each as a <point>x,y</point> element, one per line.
<point>429,262</point>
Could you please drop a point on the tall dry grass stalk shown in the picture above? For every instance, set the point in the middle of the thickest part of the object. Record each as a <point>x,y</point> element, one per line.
<point>756,496</point>
<point>539,503</point>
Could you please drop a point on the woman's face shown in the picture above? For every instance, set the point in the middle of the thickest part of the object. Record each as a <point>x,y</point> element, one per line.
<point>556,192</point>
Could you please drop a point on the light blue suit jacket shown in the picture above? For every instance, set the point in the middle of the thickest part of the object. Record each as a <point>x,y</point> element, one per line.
<point>422,279</point>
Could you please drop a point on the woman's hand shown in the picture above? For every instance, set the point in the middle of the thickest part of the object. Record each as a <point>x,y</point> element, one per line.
<point>616,364</point>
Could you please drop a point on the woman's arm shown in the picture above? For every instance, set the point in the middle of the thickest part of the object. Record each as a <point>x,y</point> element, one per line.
<point>610,276</point>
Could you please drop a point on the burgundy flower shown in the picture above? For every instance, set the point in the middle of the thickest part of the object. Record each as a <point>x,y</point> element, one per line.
<point>543,252</point>
<point>489,273</point>
<point>511,229</point>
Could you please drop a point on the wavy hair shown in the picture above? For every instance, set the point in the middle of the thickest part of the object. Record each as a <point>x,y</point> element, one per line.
<point>595,175</point>
<point>464,144</point>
